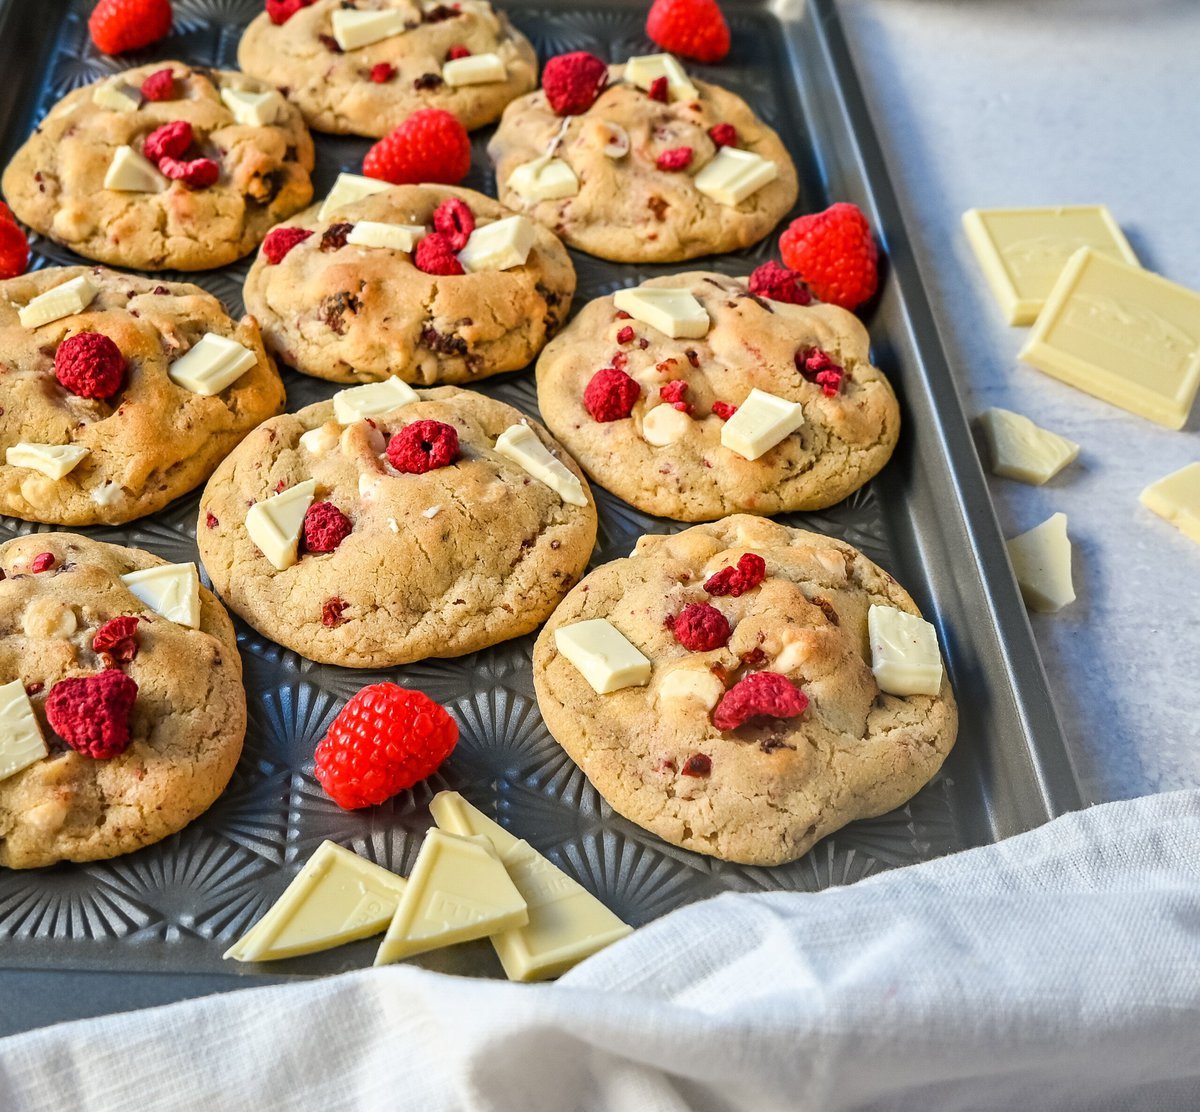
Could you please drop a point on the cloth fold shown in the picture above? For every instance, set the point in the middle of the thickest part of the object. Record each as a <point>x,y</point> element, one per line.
<point>1057,969</point>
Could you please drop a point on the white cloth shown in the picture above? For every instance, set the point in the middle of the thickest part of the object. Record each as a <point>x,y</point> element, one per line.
<point>1056,970</point>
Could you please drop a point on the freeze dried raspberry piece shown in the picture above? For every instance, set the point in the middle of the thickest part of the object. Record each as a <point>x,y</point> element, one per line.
<point>700,628</point>
<point>658,90</point>
<point>816,366</point>
<point>280,11</point>
<point>723,135</point>
<point>199,173</point>
<point>118,639</point>
<point>43,561</point>
<point>777,283</point>
<point>751,570</point>
<point>626,335</point>
<point>169,141</point>
<point>90,365</point>
<point>698,764</point>
<point>454,220</point>
<point>724,410</point>
<point>325,527</point>
<point>280,241</point>
<point>572,82</point>
<point>160,85</point>
<point>210,520</point>
<point>435,255</point>
<point>382,72</point>
<point>91,713</point>
<point>331,612</point>
<point>675,392</point>
<point>457,51</point>
<point>759,695</point>
<point>610,395</point>
<point>672,161</point>
<point>423,446</point>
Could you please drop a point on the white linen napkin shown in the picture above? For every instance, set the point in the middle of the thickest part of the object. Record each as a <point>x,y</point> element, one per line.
<point>1056,970</point>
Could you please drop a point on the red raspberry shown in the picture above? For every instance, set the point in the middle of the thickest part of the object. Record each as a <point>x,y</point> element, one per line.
<point>698,764</point>
<point>675,392</point>
<point>382,72</point>
<point>14,249</point>
<point>90,365</point>
<point>160,85</point>
<point>331,612</point>
<point>816,366</point>
<point>325,527</point>
<point>759,695</point>
<point>680,158</point>
<point>118,638</point>
<point>435,255</point>
<point>724,410</point>
<point>430,146</point>
<point>610,395</point>
<point>383,740</point>
<point>120,25</point>
<point>626,335</point>
<point>693,28</point>
<point>777,283</point>
<point>281,11</point>
<point>455,221</point>
<point>723,135</point>
<point>457,51</point>
<point>423,446</point>
<point>199,173</point>
<point>700,628</point>
<point>751,570</point>
<point>659,90</point>
<point>43,561</point>
<point>573,82</point>
<point>91,713</point>
<point>834,253</point>
<point>280,241</point>
<point>168,141</point>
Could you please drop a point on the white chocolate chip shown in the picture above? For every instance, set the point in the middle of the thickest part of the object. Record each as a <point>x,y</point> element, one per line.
<point>432,512</point>
<point>664,425</point>
<point>682,685</point>
<point>47,617</point>
<point>319,440</point>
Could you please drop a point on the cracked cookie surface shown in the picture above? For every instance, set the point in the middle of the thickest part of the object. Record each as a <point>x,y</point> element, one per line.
<point>436,565</point>
<point>55,182</point>
<point>751,343</point>
<point>335,90</point>
<point>187,724</point>
<point>773,787</point>
<point>153,440</point>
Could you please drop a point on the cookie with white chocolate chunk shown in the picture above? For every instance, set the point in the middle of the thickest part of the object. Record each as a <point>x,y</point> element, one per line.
<point>743,689</point>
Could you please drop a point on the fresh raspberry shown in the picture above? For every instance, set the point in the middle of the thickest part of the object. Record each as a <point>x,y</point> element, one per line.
<point>43,561</point>
<point>610,395</point>
<point>430,146</point>
<point>573,82</point>
<point>90,365</point>
<point>280,241</point>
<point>325,527</point>
<point>626,335</point>
<point>14,249</point>
<point>659,90</point>
<point>724,410</point>
<point>816,366</point>
<point>777,283</point>
<point>751,570</point>
<point>169,141</point>
<point>334,237</point>
<point>435,255</point>
<point>723,135</point>
<point>457,51</point>
<point>383,740</point>
<point>679,158</point>
<point>834,253</point>
<point>120,25</point>
<point>118,639</point>
<point>454,219</point>
<point>693,28</point>
<point>331,612</point>
<point>6,213</point>
<point>698,764</point>
<point>759,695</point>
<point>423,446</point>
<point>675,392</point>
<point>160,85</point>
<point>199,173</point>
<point>91,713</point>
<point>281,11</point>
<point>382,72</point>
<point>700,628</point>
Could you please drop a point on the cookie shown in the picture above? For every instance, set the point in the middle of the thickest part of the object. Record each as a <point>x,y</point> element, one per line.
<point>368,90</point>
<point>430,542</point>
<point>343,311</point>
<point>765,791</point>
<point>128,452</point>
<point>200,195</point>
<point>663,451</point>
<point>635,162</point>
<point>187,722</point>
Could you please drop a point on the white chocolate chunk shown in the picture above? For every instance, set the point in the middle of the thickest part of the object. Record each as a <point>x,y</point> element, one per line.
<point>21,740</point>
<point>1177,498</point>
<point>275,523</point>
<point>171,591</point>
<point>319,440</point>
<point>107,495</point>
<point>53,460</point>
<point>213,363</point>
<point>615,139</point>
<point>1021,450</point>
<point>130,172</point>
<point>475,69</point>
<point>543,179</point>
<point>253,109</point>
<point>501,245</point>
<point>455,815</point>
<point>62,301</point>
<point>904,652</point>
<point>664,425</point>
<point>399,237</point>
<point>337,897</point>
<point>353,30</point>
<point>115,95</point>
<point>372,399</point>
<point>644,69</point>
<point>603,655</point>
<point>347,189</point>
<point>520,444</point>
<point>1041,559</point>
<point>733,175</point>
<point>762,421</point>
<point>674,312</point>
<point>698,685</point>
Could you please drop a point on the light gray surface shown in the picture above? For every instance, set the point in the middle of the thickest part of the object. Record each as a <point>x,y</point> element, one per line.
<point>1030,103</point>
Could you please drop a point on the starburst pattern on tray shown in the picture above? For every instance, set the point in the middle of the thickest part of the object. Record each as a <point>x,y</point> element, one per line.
<point>67,902</point>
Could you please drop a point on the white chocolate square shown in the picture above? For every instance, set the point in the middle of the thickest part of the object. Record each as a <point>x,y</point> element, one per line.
<point>347,189</point>
<point>170,590</point>
<point>1177,498</point>
<point>904,652</point>
<point>501,245</point>
<point>253,109</point>
<point>1021,450</point>
<point>674,312</point>
<point>372,399</point>
<point>115,95</point>
<point>21,740</point>
<point>55,461</point>
<point>275,523</point>
<point>733,175</point>
<point>213,364</point>
<point>521,444</point>
<point>373,233</point>
<point>476,69</point>
<point>603,655</point>
<point>131,172</point>
<point>62,301</point>
<point>644,69</point>
<point>762,421</point>
<point>354,30</point>
<point>1041,559</point>
<point>543,179</point>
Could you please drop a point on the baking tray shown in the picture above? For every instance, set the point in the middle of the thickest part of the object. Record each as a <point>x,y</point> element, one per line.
<point>151,926</point>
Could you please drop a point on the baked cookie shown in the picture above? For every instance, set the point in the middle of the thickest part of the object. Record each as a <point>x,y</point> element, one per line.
<point>349,302</point>
<point>120,393</point>
<point>382,531</point>
<point>412,56</point>
<point>760,726</point>
<point>110,765</point>
<point>643,175</point>
<point>654,418</point>
<point>167,166</point>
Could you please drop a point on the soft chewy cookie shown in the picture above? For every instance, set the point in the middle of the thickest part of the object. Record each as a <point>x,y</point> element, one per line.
<point>761,728</point>
<point>412,59</point>
<point>620,179</point>
<point>166,166</point>
<point>335,307</point>
<point>398,533</point>
<point>133,762</point>
<point>645,414</point>
<point>99,425</point>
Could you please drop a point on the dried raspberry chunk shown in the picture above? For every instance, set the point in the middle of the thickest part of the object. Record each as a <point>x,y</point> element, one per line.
<point>698,764</point>
<point>423,446</point>
<point>723,135</point>
<point>90,365</point>
<point>658,90</point>
<point>675,392</point>
<point>751,570</point>
<point>454,220</point>
<point>759,695</point>
<point>43,561</point>
<point>91,713</point>
<point>610,395</point>
<point>382,72</point>
<point>816,366</point>
<point>331,612</point>
<point>280,11</point>
<point>280,241</point>
<point>118,638</point>
<point>160,85</point>
<point>457,51</point>
<point>724,410</point>
<point>325,527</point>
<point>572,82</point>
<point>210,520</point>
<point>168,141</point>
<point>779,284</point>
<point>626,335</point>
<point>435,255</point>
<point>700,628</point>
<point>199,173</point>
<point>678,158</point>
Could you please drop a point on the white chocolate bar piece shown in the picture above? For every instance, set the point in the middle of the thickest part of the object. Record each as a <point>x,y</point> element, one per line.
<point>1021,450</point>
<point>372,399</point>
<point>55,461</point>
<point>213,364</point>
<point>501,245</point>
<point>520,444</point>
<point>21,740</point>
<point>1041,559</point>
<point>131,172</point>
<point>62,301</point>
<point>354,30</point>
<point>734,174</point>
<point>170,590</point>
<point>275,523</point>
<point>372,233</point>
<point>543,179</point>
<point>674,312</point>
<point>1177,498</point>
<point>761,421</point>
<point>475,69</point>
<point>904,652</point>
<point>347,189</point>
<point>253,109</point>
<point>603,655</point>
<point>644,69</point>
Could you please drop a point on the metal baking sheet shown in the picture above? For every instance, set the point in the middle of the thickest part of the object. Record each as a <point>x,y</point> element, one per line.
<point>151,926</point>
